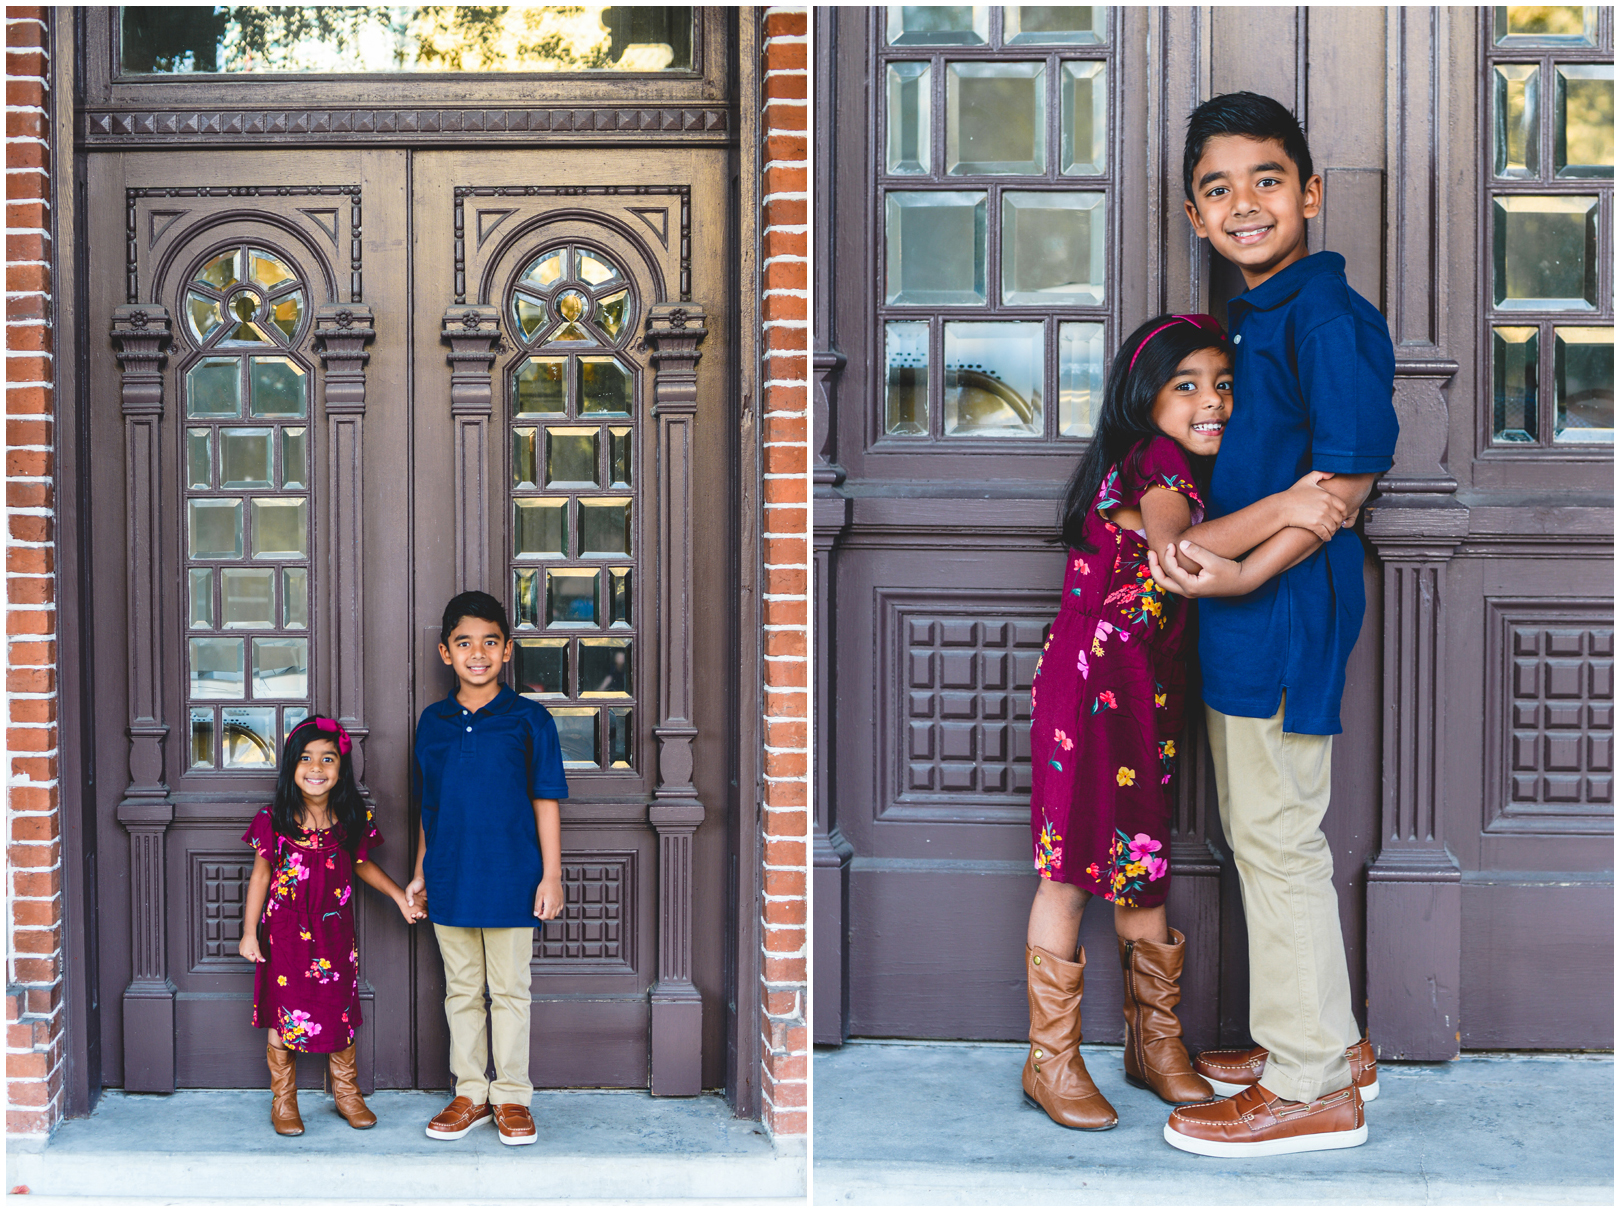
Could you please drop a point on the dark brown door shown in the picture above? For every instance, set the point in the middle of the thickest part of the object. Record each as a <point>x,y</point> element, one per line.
<point>342,385</point>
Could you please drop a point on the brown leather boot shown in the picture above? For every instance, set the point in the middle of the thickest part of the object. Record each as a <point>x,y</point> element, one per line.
<point>1155,1058</point>
<point>346,1095</point>
<point>1055,1077</point>
<point>284,1092</point>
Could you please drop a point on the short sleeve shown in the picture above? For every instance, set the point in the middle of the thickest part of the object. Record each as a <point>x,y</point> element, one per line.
<point>1347,376</point>
<point>546,776</point>
<point>261,836</point>
<point>1159,464</point>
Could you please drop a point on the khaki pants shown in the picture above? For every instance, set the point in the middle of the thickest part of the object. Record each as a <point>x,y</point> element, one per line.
<point>1273,789</point>
<point>474,958</point>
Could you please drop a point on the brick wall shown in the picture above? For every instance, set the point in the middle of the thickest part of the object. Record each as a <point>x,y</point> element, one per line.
<point>785,276</point>
<point>34,1028</point>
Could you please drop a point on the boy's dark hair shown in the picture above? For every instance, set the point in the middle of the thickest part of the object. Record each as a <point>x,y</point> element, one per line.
<point>474,603</point>
<point>347,809</point>
<point>1243,114</point>
<point>1126,417</point>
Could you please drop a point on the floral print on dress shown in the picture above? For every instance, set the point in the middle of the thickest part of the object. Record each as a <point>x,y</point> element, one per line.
<point>297,1028</point>
<point>1048,853</point>
<point>321,970</point>
<point>1133,865</point>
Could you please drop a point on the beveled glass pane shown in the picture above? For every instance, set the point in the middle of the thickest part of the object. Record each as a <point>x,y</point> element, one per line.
<point>595,269</point>
<point>604,666</point>
<point>287,312</point>
<point>250,737</point>
<point>1052,247</point>
<point>1513,384</point>
<point>1517,139</point>
<point>1546,25</point>
<point>1583,383</point>
<point>995,119</point>
<point>523,458</point>
<point>278,387</point>
<point>199,458</point>
<point>538,387</point>
<point>1085,118</point>
<point>606,388</point>
<point>611,313</point>
<point>526,598</point>
<point>935,247</point>
<point>1052,23</point>
<point>244,458</point>
<point>1545,249</point>
<point>202,738</point>
<point>1080,377</point>
<point>280,668</point>
<point>1583,124</point>
<point>619,597</point>
<point>993,379</point>
<point>620,445</point>
<point>280,528</point>
<point>604,526</point>
<point>294,458</point>
<point>268,271</point>
<point>569,333</point>
<point>571,456</point>
<point>295,598</point>
<point>241,311</point>
<point>933,25</point>
<point>576,733</point>
<point>204,316</point>
<point>905,407</point>
<point>621,738</point>
<point>249,597</point>
<point>541,665</point>
<point>291,716</point>
<point>547,270</point>
<point>910,103</point>
<point>216,669</point>
<point>214,387</point>
<point>214,529</point>
<point>201,582</point>
<point>530,314</point>
<point>540,527</point>
<point>222,270</point>
<point>571,597</point>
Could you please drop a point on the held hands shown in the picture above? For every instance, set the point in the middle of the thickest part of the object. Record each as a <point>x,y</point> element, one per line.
<point>1215,576</point>
<point>248,948</point>
<point>1309,505</point>
<point>548,899</point>
<point>411,912</point>
<point>415,904</point>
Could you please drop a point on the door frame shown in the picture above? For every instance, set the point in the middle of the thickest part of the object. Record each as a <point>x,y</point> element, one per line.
<point>695,110</point>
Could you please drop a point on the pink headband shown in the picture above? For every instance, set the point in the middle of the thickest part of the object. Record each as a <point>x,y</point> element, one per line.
<point>1207,321</point>
<point>326,724</point>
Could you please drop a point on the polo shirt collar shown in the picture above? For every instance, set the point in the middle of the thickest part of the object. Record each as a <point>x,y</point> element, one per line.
<point>452,708</point>
<point>1271,293</point>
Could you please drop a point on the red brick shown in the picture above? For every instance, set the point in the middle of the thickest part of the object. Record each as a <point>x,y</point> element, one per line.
<point>786,146</point>
<point>785,853</point>
<point>779,643</point>
<point>35,768</point>
<point>27,337</point>
<point>786,793</point>
<point>785,912</point>
<point>38,884</point>
<point>36,912</point>
<point>779,520</point>
<point>784,308</point>
<point>785,212</point>
<point>787,429</point>
<point>27,184</point>
<point>26,369</point>
<point>31,679</point>
<point>785,674</point>
<point>784,884</point>
<point>28,433</point>
<point>30,1065</point>
<point>34,857</point>
<point>33,710</point>
<point>49,942</point>
<point>785,704</point>
<point>33,798</point>
<point>34,528</point>
<point>32,214</point>
<point>32,123</point>
<point>788,85</point>
<point>31,306</point>
<point>784,972</point>
<point>784,612</point>
<point>30,590</point>
<point>785,368</point>
<point>790,551</point>
<point>785,734</point>
<point>36,463</point>
<point>29,970</point>
<point>33,278</point>
<point>31,738</point>
<point>30,560</point>
<point>32,622</point>
<point>779,460</point>
<point>783,1002</point>
<point>783,941</point>
<point>27,1094</point>
<point>26,155</point>
<point>44,1001</point>
<point>786,765</point>
<point>788,1067</point>
<point>28,496</point>
<point>25,93</point>
<point>784,56</point>
<point>784,180</point>
<point>778,243</point>
<point>785,823</point>
<point>777,25</point>
<point>786,276</point>
<point>26,248</point>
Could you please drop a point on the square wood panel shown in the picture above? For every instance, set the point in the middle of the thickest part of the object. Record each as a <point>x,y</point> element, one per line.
<point>597,930</point>
<point>218,882</point>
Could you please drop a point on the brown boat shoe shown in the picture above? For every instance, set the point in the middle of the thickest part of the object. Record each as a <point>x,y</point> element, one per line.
<point>1229,1071</point>
<point>459,1118</point>
<point>514,1124</point>
<point>1255,1122</point>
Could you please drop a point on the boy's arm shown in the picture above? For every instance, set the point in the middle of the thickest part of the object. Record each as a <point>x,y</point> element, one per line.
<point>548,897</point>
<point>416,889</point>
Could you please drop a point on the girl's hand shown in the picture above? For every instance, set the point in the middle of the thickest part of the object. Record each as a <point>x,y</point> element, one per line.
<point>1308,505</point>
<point>1216,576</point>
<point>548,899</point>
<point>411,913</point>
<point>248,948</point>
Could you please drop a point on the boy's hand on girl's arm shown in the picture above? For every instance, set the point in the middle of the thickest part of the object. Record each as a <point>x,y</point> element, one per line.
<point>1210,576</point>
<point>1353,490</point>
<point>1311,504</point>
<point>548,899</point>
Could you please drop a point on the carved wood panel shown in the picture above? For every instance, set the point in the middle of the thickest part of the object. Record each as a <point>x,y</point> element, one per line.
<point>598,926</point>
<point>217,895</point>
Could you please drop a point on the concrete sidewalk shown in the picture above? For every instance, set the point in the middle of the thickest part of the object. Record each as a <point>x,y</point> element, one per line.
<point>592,1144</point>
<point>946,1124</point>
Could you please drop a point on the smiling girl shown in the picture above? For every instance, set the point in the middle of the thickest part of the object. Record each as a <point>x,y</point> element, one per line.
<point>1107,705</point>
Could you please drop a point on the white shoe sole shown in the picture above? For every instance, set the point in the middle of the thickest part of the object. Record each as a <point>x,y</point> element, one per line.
<point>460,1134</point>
<point>1274,1146</point>
<point>1227,1090</point>
<point>518,1141</point>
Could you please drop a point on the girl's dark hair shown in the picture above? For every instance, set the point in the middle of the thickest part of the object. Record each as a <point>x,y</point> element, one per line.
<point>1126,418</point>
<point>347,809</point>
<point>479,606</point>
<point>1243,114</point>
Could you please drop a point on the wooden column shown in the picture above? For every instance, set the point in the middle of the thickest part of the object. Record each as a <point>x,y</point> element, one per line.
<point>473,334</point>
<point>341,335</point>
<point>141,335</point>
<point>674,332</point>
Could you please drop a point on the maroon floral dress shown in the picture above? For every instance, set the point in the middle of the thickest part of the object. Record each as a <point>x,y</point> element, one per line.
<point>307,987</point>
<point>1107,701</point>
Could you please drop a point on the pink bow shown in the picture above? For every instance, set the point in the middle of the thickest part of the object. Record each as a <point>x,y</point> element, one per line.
<point>342,735</point>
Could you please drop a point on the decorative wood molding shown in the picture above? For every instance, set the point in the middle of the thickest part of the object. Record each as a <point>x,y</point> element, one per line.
<point>342,333</point>
<point>474,335</point>
<point>675,331</point>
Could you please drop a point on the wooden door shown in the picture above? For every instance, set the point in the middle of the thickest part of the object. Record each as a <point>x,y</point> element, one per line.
<point>341,386</point>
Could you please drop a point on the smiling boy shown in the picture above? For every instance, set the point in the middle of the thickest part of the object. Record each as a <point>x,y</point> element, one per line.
<point>1314,377</point>
<point>489,773</point>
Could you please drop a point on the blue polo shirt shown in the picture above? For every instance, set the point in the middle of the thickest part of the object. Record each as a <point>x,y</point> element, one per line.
<point>1314,381</point>
<point>475,774</point>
